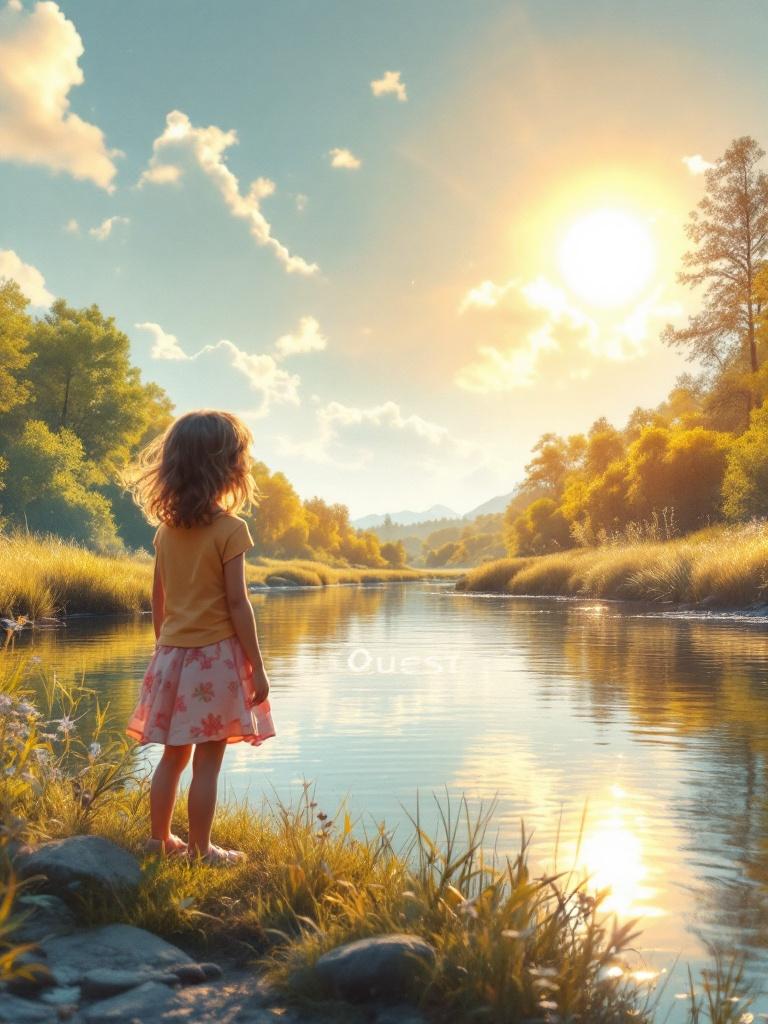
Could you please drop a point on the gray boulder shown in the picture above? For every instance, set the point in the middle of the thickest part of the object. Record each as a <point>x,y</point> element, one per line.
<point>23,1011</point>
<point>117,946</point>
<point>81,860</point>
<point>45,915</point>
<point>146,1004</point>
<point>385,967</point>
<point>103,982</point>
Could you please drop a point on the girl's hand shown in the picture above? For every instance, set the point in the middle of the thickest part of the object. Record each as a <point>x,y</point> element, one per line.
<point>260,689</point>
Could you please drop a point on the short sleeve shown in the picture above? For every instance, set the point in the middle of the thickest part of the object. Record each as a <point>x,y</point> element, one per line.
<point>238,542</point>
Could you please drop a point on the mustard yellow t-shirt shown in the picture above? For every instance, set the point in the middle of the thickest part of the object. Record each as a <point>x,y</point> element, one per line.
<point>190,561</point>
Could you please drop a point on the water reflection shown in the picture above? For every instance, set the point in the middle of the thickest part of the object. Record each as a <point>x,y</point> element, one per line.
<point>657,725</point>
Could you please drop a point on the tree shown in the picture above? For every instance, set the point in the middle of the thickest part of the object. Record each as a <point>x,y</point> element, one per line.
<point>681,470</point>
<point>540,529</point>
<point>729,232</point>
<point>394,553</point>
<point>15,327</point>
<point>745,487</point>
<point>554,457</point>
<point>46,488</point>
<point>278,513</point>
<point>82,380</point>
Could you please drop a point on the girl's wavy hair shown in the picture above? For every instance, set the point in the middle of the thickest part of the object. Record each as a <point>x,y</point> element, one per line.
<point>201,460</point>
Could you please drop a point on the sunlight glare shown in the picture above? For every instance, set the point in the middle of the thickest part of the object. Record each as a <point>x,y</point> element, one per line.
<point>607,257</point>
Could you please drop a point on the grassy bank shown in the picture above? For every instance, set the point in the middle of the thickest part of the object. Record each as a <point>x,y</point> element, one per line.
<point>720,566</point>
<point>44,575</point>
<point>510,946</point>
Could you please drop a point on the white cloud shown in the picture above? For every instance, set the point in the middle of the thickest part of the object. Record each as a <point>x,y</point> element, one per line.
<point>301,201</point>
<point>347,436</point>
<point>161,174</point>
<point>308,338</point>
<point>538,318</point>
<point>261,370</point>
<point>104,230</point>
<point>696,164</point>
<point>165,346</point>
<point>72,227</point>
<point>389,83</point>
<point>28,278</point>
<point>208,146</point>
<point>344,158</point>
<point>39,54</point>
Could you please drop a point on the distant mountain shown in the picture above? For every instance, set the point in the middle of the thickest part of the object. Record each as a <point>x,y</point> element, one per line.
<point>406,517</point>
<point>497,504</point>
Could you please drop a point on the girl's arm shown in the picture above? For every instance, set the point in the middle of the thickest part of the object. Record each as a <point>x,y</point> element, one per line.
<point>241,613</point>
<point>158,602</point>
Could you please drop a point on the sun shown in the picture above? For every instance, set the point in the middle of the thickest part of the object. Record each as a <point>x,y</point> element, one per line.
<point>607,257</point>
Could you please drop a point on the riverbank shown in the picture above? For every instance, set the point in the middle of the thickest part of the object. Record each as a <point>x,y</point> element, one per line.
<point>720,567</point>
<point>44,576</point>
<point>492,940</point>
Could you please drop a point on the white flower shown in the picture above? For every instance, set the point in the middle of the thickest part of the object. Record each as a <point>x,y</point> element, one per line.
<point>66,725</point>
<point>94,750</point>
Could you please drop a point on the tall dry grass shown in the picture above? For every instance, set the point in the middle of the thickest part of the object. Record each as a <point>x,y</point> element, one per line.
<point>724,566</point>
<point>43,575</point>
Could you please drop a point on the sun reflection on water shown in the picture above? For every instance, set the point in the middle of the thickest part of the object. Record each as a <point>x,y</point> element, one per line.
<point>613,854</point>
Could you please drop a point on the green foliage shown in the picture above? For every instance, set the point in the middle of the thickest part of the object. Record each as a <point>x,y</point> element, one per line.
<point>82,380</point>
<point>745,488</point>
<point>15,326</point>
<point>46,487</point>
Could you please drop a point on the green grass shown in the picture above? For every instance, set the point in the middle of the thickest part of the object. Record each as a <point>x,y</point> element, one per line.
<point>46,576</point>
<point>724,566</point>
<point>511,946</point>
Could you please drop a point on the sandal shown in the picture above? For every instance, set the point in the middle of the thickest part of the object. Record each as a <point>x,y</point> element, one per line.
<point>217,856</point>
<point>173,846</point>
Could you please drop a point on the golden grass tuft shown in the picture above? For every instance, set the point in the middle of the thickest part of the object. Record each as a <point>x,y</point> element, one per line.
<point>726,566</point>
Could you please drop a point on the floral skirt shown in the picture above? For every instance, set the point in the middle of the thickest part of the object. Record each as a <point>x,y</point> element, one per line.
<point>196,694</point>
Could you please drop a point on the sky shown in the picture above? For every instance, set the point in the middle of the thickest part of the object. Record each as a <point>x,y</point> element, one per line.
<point>401,239</point>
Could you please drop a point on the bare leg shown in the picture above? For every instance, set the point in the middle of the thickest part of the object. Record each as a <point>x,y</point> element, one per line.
<point>162,795</point>
<point>206,765</point>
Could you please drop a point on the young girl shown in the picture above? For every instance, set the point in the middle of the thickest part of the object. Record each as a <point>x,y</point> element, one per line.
<point>206,685</point>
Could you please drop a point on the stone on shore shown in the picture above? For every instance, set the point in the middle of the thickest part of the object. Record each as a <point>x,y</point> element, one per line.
<point>70,863</point>
<point>14,1010</point>
<point>116,946</point>
<point>48,916</point>
<point>146,1003</point>
<point>385,967</point>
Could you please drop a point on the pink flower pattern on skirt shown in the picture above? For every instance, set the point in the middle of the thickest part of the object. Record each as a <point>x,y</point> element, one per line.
<point>194,694</point>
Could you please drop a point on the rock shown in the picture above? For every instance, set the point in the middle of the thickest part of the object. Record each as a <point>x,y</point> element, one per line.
<point>23,1011</point>
<point>189,974</point>
<point>62,995</point>
<point>144,1004</point>
<point>78,860</point>
<point>48,915</point>
<point>386,966</point>
<point>116,946</point>
<point>281,581</point>
<point>103,982</point>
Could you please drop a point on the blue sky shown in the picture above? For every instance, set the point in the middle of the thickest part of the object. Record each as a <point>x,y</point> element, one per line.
<point>441,332</point>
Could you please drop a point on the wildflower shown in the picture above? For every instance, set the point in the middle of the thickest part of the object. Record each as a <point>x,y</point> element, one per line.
<point>25,708</point>
<point>66,725</point>
<point>93,751</point>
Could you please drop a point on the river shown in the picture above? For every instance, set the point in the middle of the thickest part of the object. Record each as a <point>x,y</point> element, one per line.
<point>654,726</point>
